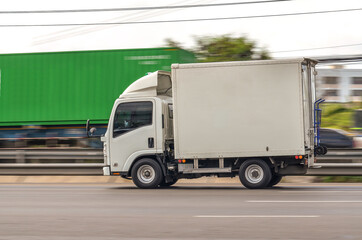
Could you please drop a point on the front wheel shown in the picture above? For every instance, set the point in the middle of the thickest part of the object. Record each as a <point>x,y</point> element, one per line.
<point>255,173</point>
<point>147,173</point>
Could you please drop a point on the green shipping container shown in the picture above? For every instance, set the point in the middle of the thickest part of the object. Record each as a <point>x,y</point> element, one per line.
<point>62,88</point>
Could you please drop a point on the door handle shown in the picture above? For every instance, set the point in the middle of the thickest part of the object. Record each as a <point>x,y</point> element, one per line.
<point>151,142</point>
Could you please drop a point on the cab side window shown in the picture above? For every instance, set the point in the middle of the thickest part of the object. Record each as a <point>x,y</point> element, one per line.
<point>130,116</point>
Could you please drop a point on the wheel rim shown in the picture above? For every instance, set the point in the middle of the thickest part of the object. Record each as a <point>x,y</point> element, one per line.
<point>146,174</point>
<point>254,173</point>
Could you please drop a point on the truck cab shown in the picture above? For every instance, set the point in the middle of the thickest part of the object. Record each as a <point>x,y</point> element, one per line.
<point>140,125</point>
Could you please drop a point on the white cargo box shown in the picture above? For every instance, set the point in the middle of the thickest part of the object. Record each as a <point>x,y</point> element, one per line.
<point>239,109</point>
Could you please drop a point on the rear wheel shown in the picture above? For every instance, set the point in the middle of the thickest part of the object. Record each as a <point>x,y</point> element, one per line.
<point>275,179</point>
<point>147,173</point>
<point>255,173</point>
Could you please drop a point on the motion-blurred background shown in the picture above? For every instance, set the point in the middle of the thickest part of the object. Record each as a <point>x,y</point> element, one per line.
<point>64,62</point>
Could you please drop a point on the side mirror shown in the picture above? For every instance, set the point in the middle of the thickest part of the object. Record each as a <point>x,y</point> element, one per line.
<point>92,130</point>
<point>89,130</point>
<point>87,126</point>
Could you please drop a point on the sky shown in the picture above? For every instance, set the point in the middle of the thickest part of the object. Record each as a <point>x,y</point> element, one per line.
<point>279,35</point>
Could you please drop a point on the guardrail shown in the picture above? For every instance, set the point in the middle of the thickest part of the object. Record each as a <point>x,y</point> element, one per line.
<point>51,161</point>
<point>49,155</point>
<point>51,169</point>
<point>81,161</point>
<point>336,169</point>
<point>342,155</point>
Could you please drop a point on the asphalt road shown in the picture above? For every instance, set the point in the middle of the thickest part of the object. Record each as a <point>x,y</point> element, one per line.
<point>111,211</point>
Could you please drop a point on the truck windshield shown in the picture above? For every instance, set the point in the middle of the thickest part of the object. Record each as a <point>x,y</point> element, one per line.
<point>130,116</point>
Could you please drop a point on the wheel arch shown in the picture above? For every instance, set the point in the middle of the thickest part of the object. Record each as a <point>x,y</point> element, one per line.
<point>154,157</point>
<point>268,160</point>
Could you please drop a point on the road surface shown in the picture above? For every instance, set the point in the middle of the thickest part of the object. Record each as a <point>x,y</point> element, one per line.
<point>188,211</point>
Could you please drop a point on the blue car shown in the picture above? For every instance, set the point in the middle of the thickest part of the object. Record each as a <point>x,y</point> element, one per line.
<point>335,138</point>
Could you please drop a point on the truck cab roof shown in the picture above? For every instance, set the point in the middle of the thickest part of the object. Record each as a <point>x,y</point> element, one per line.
<point>154,84</point>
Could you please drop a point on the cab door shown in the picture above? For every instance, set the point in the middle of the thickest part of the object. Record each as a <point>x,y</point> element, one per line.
<point>132,132</point>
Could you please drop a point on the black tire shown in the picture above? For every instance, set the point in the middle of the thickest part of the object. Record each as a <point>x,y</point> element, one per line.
<point>147,173</point>
<point>325,150</point>
<point>255,173</point>
<point>319,150</point>
<point>275,179</point>
<point>164,184</point>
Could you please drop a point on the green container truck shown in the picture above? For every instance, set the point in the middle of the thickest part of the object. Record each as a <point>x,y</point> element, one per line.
<point>51,95</point>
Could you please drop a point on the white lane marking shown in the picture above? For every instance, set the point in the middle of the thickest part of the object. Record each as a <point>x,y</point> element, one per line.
<point>317,191</point>
<point>299,201</point>
<point>257,216</point>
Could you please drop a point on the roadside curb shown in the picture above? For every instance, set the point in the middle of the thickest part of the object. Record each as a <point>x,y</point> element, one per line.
<point>117,179</point>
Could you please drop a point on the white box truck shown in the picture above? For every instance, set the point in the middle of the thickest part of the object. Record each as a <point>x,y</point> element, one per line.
<point>252,119</point>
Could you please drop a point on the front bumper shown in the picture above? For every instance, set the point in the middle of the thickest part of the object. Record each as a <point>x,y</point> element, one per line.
<point>106,171</point>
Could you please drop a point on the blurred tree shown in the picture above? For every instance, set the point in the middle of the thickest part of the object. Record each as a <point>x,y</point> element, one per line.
<point>227,48</point>
<point>172,43</point>
<point>223,48</point>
